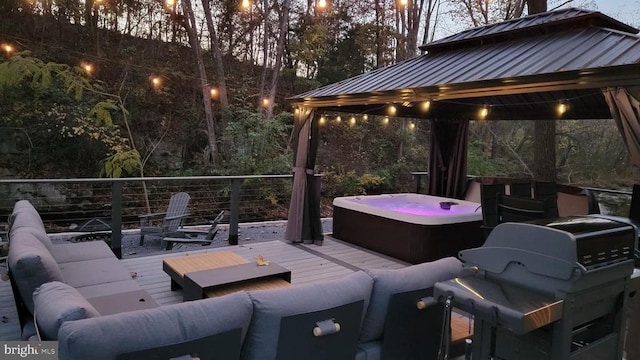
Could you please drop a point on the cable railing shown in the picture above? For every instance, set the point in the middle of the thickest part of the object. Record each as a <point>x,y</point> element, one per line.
<point>66,204</point>
<point>611,201</point>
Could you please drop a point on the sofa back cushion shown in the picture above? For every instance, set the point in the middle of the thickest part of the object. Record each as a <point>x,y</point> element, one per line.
<point>30,216</point>
<point>387,282</point>
<point>108,336</point>
<point>30,266</point>
<point>35,232</point>
<point>56,303</point>
<point>271,306</point>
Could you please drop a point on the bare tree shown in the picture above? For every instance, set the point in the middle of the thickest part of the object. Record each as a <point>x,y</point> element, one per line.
<point>190,26</point>
<point>217,56</point>
<point>544,152</point>
<point>275,72</point>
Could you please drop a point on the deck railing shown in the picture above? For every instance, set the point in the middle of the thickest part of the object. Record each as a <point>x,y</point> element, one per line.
<point>612,202</point>
<point>66,204</point>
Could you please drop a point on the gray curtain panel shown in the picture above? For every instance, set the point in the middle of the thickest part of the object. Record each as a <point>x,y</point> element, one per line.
<point>625,110</point>
<point>448,158</point>
<point>304,209</point>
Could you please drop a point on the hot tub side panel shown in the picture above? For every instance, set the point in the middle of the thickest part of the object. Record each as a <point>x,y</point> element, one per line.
<point>409,242</point>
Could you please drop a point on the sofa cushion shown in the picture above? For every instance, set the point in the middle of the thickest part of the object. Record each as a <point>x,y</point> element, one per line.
<point>94,272</point>
<point>55,303</point>
<point>112,288</point>
<point>272,305</point>
<point>371,350</point>
<point>388,282</point>
<point>24,214</point>
<point>31,265</point>
<point>107,336</point>
<point>64,253</point>
<point>35,232</point>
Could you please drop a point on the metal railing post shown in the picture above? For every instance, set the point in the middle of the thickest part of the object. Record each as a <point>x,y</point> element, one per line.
<point>116,218</point>
<point>234,217</point>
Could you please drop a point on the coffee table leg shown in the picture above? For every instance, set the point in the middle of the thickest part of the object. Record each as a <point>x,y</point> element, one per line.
<point>175,286</point>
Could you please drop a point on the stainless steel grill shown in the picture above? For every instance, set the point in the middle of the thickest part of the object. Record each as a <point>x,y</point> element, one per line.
<point>551,289</point>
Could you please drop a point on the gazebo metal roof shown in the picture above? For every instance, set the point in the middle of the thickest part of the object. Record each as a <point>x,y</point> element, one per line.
<point>517,68</point>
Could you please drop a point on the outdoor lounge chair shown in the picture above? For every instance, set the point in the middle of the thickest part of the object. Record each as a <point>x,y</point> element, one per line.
<point>191,236</point>
<point>172,221</point>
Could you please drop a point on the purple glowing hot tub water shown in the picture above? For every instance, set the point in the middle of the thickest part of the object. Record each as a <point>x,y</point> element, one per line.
<point>411,227</point>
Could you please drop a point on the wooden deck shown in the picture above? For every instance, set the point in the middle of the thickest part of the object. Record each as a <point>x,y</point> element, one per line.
<point>308,263</point>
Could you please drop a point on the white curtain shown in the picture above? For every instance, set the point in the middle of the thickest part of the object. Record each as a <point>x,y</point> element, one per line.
<point>625,110</point>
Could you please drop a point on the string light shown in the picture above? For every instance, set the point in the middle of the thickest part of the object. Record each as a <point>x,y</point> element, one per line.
<point>352,121</point>
<point>246,4</point>
<point>338,119</point>
<point>385,121</point>
<point>483,113</point>
<point>392,110</point>
<point>365,117</point>
<point>562,108</point>
<point>265,102</point>
<point>412,125</point>
<point>321,4</point>
<point>213,92</point>
<point>403,2</point>
<point>426,105</point>
<point>170,3</point>
<point>8,48</point>
<point>87,67</point>
<point>323,120</point>
<point>156,81</point>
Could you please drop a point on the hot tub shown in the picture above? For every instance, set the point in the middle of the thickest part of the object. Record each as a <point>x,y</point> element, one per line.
<point>410,227</point>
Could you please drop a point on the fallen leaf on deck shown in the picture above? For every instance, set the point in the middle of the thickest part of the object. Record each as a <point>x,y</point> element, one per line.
<point>261,261</point>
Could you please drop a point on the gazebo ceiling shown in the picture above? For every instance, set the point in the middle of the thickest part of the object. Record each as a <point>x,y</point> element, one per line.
<point>520,69</point>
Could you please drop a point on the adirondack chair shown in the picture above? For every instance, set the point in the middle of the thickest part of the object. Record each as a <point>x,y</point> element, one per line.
<point>193,236</point>
<point>172,220</point>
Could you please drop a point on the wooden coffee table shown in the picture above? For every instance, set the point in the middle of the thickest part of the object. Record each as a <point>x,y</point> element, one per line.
<point>219,273</point>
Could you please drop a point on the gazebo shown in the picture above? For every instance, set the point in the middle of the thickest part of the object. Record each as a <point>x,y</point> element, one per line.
<point>522,69</point>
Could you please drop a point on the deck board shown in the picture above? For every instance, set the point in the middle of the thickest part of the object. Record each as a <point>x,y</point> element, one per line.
<point>308,263</point>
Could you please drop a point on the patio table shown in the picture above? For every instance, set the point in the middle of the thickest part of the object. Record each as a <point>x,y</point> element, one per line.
<point>219,273</point>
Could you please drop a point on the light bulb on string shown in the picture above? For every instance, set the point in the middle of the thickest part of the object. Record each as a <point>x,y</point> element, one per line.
<point>8,48</point>
<point>265,102</point>
<point>365,117</point>
<point>483,112</point>
<point>412,125</point>
<point>385,120</point>
<point>156,81</point>
<point>213,92</point>
<point>404,3</point>
<point>562,108</point>
<point>426,105</point>
<point>323,120</point>
<point>352,121</point>
<point>321,4</point>
<point>392,110</point>
<point>338,119</point>
<point>246,4</point>
<point>87,67</point>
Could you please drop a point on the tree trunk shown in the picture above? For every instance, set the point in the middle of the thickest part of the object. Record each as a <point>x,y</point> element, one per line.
<point>544,151</point>
<point>190,26</point>
<point>284,26</point>
<point>544,155</point>
<point>536,6</point>
<point>217,58</point>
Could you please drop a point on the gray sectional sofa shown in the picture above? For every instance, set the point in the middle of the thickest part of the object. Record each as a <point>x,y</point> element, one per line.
<point>365,315</point>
